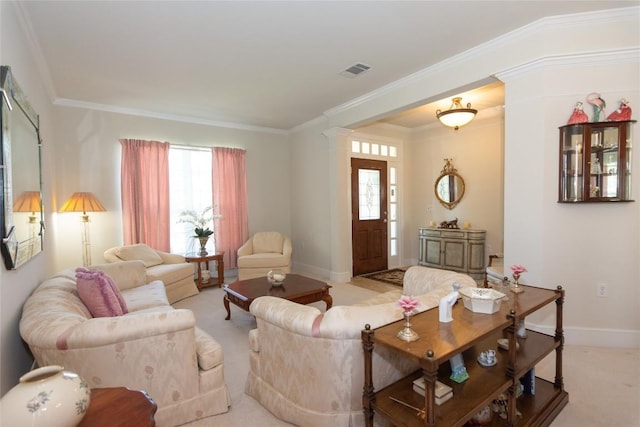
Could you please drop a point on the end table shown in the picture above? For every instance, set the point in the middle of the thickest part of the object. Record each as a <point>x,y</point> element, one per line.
<point>199,260</point>
<point>119,407</point>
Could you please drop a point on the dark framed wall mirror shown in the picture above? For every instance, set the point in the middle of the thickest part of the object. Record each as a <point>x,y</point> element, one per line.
<point>22,220</point>
<point>449,186</point>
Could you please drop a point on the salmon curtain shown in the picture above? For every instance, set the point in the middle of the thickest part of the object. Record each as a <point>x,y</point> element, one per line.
<point>229,186</point>
<point>145,193</point>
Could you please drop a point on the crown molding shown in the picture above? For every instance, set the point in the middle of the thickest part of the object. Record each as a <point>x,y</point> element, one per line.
<point>613,56</point>
<point>527,31</point>
<point>64,102</point>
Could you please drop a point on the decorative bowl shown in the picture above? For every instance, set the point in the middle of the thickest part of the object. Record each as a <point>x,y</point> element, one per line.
<point>276,277</point>
<point>482,300</point>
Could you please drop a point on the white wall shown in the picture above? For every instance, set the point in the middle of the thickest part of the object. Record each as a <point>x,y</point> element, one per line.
<point>87,158</point>
<point>577,246</point>
<point>477,153</point>
<point>16,285</point>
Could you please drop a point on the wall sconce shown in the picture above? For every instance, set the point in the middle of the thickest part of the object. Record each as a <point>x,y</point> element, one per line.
<point>456,115</point>
<point>84,202</point>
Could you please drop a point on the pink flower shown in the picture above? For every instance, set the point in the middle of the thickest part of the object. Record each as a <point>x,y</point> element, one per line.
<point>408,303</point>
<point>518,269</point>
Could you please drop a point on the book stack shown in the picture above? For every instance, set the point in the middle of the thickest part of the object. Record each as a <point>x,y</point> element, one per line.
<point>443,392</point>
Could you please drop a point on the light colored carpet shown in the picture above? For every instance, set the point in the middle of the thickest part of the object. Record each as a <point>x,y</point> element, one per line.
<point>603,384</point>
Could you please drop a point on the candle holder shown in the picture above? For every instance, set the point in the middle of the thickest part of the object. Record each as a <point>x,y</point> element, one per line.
<point>407,334</point>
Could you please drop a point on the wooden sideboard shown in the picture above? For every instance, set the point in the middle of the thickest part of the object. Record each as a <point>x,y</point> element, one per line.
<point>453,249</point>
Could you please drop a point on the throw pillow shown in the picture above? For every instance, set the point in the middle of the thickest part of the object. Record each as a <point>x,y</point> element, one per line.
<point>140,252</point>
<point>99,293</point>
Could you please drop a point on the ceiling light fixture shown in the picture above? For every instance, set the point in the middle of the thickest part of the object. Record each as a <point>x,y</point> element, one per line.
<point>456,115</point>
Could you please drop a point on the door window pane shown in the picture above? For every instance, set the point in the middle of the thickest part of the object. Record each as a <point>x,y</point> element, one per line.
<point>369,197</point>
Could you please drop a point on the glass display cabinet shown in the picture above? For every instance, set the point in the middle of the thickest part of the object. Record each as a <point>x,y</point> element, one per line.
<point>595,162</point>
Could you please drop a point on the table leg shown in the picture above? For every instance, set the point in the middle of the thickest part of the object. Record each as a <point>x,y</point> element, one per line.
<point>220,263</point>
<point>226,305</point>
<point>328,300</point>
<point>199,276</point>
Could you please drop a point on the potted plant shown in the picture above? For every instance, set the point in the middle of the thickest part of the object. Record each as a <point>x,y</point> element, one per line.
<point>201,222</point>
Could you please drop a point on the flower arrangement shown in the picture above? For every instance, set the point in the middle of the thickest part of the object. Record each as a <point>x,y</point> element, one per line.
<point>517,270</point>
<point>408,304</point>
<point>200,221</point>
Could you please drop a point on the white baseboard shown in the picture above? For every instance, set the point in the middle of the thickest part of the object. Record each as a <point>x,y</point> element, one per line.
<point>594,337</point>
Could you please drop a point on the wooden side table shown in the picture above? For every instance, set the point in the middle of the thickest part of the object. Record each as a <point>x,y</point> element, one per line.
<point>199,260</point>
<point>119,407</point>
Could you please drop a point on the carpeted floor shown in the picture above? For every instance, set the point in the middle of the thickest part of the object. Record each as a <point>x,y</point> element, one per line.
<point>393,276</point>
<point>603,383</point>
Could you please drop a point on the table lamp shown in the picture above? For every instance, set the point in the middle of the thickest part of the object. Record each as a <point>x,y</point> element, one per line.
<point>84,202</point>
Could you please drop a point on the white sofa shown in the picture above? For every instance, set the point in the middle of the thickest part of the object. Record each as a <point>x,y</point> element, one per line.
<point>307,367</point>
<point>264,251</point>
<point>171,269</point>
<point>153,347</point>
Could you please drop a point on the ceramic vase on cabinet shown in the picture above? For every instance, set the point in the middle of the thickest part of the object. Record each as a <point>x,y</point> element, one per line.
<point>47,397</point>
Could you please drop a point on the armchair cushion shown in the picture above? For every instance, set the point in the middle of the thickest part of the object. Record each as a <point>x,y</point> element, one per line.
<point>98,292</point>
<point>141,252</point>
<point>268,242</point>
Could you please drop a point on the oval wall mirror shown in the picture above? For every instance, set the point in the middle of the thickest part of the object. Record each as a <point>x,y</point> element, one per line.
<point>21,217</point>
<point>449,186</point>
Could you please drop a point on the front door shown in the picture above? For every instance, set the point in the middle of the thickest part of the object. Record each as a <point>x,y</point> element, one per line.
<point>369,215</point>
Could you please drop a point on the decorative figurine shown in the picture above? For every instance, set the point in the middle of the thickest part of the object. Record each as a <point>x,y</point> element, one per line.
<point>459,372</point>
<point>598,106</point>
<point>446,304</point>
<point>450,224</point>
<point>622,113</point>
<point>578,115</point>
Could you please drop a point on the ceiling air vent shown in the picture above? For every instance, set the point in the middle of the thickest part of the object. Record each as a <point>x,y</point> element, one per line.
<point>355,70</point>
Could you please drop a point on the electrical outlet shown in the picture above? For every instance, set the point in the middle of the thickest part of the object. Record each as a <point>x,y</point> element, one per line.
<point>602,290</point>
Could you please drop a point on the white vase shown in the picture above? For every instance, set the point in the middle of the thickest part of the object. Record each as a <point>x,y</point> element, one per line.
<point>47,396</point>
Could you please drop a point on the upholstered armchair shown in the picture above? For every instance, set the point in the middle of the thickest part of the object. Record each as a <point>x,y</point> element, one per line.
<point>170,269</point>
<point>266,250</point>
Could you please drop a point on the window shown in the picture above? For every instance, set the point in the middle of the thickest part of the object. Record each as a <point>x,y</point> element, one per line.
<point>189,189</point>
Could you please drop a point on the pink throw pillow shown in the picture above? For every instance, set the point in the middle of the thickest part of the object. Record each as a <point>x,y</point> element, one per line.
<point>99,293</point>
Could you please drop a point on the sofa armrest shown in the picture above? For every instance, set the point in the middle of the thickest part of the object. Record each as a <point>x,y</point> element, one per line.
<point>246,248</point>
<point>285,314</point>
<point>103,331</point>
<point>168,258</point>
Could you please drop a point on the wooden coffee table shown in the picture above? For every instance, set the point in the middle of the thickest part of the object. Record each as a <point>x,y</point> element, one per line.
<point>296,288</point>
